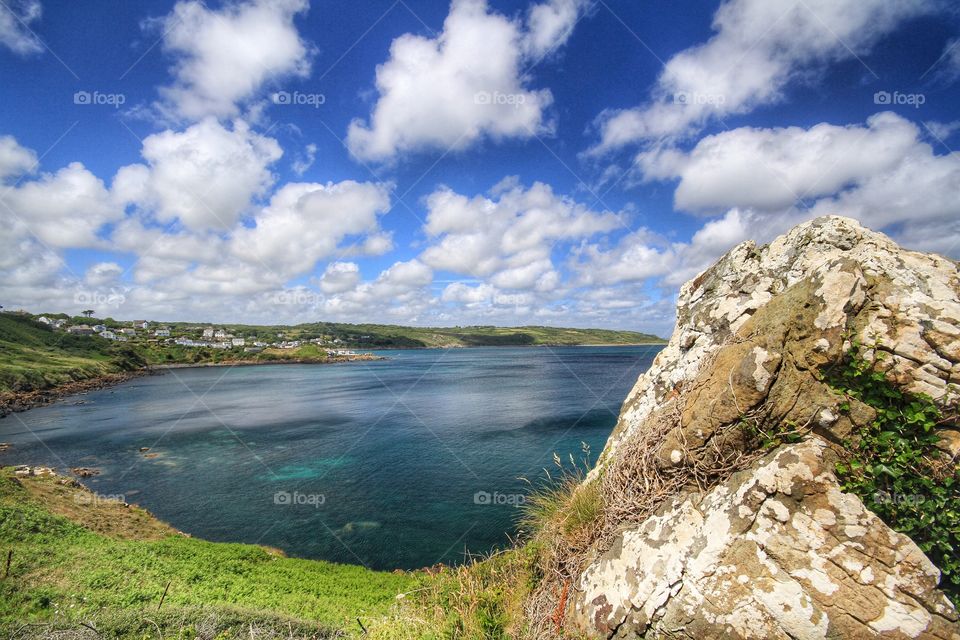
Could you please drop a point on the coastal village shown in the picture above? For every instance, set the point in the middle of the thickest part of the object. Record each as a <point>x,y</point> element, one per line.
<point>191,336</point>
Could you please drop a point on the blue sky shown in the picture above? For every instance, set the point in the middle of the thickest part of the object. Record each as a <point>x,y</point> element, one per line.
<point>563,162</point>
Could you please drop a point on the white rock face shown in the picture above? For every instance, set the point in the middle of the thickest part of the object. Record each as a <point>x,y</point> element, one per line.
<point>778,551</point>
<point>914,311</point>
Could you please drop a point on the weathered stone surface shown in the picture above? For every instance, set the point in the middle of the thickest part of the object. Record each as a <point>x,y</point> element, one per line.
<point>778,551</point>
<point>805,295</point>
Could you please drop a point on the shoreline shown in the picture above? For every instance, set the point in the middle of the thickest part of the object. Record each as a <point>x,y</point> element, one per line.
<point>158,368</point>
<point>20,401</point>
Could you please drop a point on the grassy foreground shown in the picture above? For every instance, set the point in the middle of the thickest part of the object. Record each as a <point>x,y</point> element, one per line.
<point>83,564</point>
<point>78,559</point>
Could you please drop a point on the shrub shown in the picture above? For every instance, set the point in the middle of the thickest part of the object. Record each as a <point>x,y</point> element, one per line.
<point>896,468</point>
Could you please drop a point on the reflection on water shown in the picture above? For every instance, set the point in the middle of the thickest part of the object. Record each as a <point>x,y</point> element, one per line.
<point>378,462</point>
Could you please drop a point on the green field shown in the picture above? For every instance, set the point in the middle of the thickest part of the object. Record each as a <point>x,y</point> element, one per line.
<point>77,559</point>
<point>34,357</point>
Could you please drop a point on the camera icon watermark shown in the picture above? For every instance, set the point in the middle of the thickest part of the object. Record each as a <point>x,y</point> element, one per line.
<point>887,98</point>
<point>93,298</point>
<point>96,98</point>
<point>697,98</point>
<point>297,298</point>
<point>497,98</point>
<point>887,497</point>
<point>284,98</point>
<point>96,499</point>
<point>297,499</point>
<point>497,498</point>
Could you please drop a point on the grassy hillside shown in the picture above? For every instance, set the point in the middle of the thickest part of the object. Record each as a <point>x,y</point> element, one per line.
<point>35,357</point>
<point>80,559</point>
<point>373,335</point>
<point>32,356</point>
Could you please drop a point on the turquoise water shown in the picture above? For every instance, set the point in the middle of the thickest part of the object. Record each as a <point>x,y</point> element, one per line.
<point>400,463</point>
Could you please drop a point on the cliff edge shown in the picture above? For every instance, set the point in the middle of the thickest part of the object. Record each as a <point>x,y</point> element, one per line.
<point>724,513</point>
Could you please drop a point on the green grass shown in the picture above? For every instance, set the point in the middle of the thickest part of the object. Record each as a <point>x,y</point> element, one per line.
<point>32,356</point>
<point>66,573</point>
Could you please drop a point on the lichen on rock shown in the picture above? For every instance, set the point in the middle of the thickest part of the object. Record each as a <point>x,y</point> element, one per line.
<point>775,550</point>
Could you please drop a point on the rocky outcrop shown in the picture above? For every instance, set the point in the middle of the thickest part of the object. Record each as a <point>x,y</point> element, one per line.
<point>776,550</point>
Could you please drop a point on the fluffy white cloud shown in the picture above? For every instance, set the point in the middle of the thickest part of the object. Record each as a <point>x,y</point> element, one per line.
<point>225,57</point>
<point>760,46</point>
<point>103,273</point>
<point>204,176</point>
<point>882,173</point>
<point>15,31</point>
<point>339,277</point>
<point>306,222</point>
<point>771,169</point>
<point>509,236</point>
<point>14,159</point>
<point>62,209</point>
<point>451,91</point>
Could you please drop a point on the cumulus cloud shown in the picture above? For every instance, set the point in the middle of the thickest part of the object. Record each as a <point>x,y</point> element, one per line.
<point>204,176</point>
<point>874,172</point>
<point>62,209</point>
<point>305,222</point>
<point>339,277</point>
<point>772,169</point>
<point>14,159</point>
<point>103,273</point>
<point>224,57</point>
<point>16,34</point>
<point>759,48</point>
<point>468,83</point>
<point>509,236</point>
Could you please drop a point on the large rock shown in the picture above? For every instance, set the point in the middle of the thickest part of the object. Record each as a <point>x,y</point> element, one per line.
<point>777,550</point>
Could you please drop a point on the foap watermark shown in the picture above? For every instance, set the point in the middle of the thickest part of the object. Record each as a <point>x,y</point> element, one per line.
<point>888,497</point>
<point>98,98</point>
<point>497,98</point>
<point>897,99</point>
<point>695,97</point>
<point>96,499</point>
<point>96,298</point>
<point>297,499</point>
<point>497,498</point>
<point>298,298</point>
<point>299,99</point>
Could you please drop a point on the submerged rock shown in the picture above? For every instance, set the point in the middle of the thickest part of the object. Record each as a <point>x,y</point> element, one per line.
<point>776,550</point>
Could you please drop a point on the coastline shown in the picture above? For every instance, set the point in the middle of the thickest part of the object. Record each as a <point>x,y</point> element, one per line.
<point>157,368</point>
<point>20,401</point>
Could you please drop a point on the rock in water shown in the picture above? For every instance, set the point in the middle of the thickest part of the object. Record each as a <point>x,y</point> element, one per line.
<point>776,550</point>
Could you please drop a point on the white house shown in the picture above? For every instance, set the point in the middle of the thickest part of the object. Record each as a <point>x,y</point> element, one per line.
<point>109,335</point>
<point>162,333</point>
<point>208,332</point>
<point>99,328</point>
<point>81,330</point>
<point>44,320</point>
<point>219,334</point>
<point>128,331</point>
<point>238,342</point>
